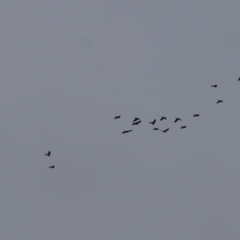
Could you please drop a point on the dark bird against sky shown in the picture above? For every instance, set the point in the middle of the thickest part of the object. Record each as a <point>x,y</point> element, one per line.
<point>219,101</point>
<point>153,122</point>
<point>196,115</point>
<point>126,131</point>
<point>136,119</point>
<point>165,130</point>
<point>52,166</point>
<point>117,117</point>
<point>214,85</point>
<point>163,118</point>
<point>48,154</point>
<point>183,127</point>
<point>177,119</point>
<point>136,123</point>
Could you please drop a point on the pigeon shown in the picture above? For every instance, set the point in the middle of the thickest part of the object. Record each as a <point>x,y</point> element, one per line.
<point>214,85</point>
<point>239,79</point>
<point>183,127</point>
<point>177,119</point>
<point>196,115</point>
<point>165,130</point>
<point>136,123</point>
<point>52,166</point>
<point>48,154</point>
<point>126,131</point>
<point>156,129</point>
<point>219,101</point>
<point>163,118</point>
<point>117,117</point>
<point>153,122</point>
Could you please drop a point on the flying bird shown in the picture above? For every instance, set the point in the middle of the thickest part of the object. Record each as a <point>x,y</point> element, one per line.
<point>117,117</point>
<point>48,154</point>
<point>163,118</point>
<point>153,122</point>
<point>126,131</point>
<point>156,129</point>
<point>219,101</point>
<point>196,115</point>
<point>214,85</point>
<point>183,127</point>
<point>136,119</point>
<point>165,130</point>
<point>136,123</point>
<point>239,79</point>
<point>177,119</point>
<point>52,166</point>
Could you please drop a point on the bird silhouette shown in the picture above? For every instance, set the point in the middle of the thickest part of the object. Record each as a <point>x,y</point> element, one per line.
<point>153,122</point>
<point>136,119</point>
<point>117,117</point>
<point>126,131</point>
<point>156,129</point>
<point>239,79</point>
<point>48,154</point>
<point>136,123</point>
<point>214,85</point>
<point>183,127</point>
<point>163,118</point>
<point>219,101</point>
<point>52,166</point>
<point>165,130</point>
<point>196,115</point>
<point>177,119</point>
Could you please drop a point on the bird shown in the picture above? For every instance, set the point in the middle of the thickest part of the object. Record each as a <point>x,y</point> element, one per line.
<point>117,117</point>
<point>163,118</point>
<point>239,79</point>
<point>214,85</point>
<point>156,129</point>
<point>48,154</point>
<point>52,166</point>
<point>136,123</point>
<point>126,131</point>
<point>178,119</point>
<point>219,101</point>
<point>165,130</point>
<point>153,122</point>
<point>136,119</point>
<point>183,127</point>
<point>196,115</point>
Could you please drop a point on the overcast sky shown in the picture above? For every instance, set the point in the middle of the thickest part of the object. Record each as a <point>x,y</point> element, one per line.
<point>68,68</point>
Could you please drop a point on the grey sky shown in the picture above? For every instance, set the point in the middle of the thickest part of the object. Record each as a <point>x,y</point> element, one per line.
<point>67,68</point>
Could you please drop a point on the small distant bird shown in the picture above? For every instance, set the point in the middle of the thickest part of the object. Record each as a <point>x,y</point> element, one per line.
<point>219,101</point>
<point>165,130</point>
<point>48,154</point>
<point>214,85</point>
<point>153,122</point>
<point>117,117</point>
<point>126,131</point>
<point>177,119</point>
<point>52,166</point>
<point>163,118</point>
<point>196,115</point>
<point>156,129</point>
<point>183,127</point>
<point>239,79</point>
<point>136,123</point>
<point>136,119</point>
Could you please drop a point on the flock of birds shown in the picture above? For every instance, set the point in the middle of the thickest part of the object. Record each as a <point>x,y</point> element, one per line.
<point>48,155</point>
<point>137,121</point>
